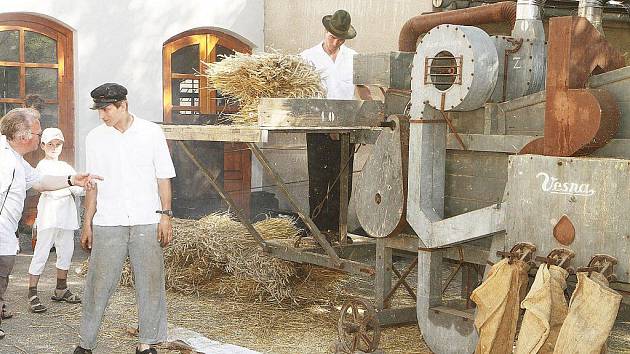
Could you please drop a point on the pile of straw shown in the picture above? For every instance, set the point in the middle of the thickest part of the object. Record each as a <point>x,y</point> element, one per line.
<point>246,78</point>
<point>217,245</point>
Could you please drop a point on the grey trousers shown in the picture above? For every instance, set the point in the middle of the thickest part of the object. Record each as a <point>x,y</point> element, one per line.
<point>110,247</point>
<point>6,267</point>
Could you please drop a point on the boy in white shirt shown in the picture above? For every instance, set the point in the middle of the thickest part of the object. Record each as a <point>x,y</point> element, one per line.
<point>56,221</point>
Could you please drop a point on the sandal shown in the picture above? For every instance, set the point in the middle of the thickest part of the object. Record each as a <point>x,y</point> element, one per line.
<point>36,305</point>
<point>67,296</point>
<point>5,314</point>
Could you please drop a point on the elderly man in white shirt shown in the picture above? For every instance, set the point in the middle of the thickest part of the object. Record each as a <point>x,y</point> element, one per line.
<point>128,214</point>
<point>20,133</point>
<point>333,61</point>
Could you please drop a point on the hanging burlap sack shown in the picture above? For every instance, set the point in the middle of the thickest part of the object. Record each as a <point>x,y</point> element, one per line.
<point>498,300</point>
<point>545,311</point>
<point>592,312</point>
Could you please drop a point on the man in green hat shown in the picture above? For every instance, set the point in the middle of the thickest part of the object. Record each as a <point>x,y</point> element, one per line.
<point>333,60</point>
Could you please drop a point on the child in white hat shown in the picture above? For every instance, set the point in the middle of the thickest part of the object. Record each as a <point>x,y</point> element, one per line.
<point>55,224</point>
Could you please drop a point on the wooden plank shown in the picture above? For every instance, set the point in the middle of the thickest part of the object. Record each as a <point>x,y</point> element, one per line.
<point>476,163</point>
<point>233,133</point>
<point>465,314</point>
<point>383,278</point>
<point>318,112</point>
<point>388,69</point>
<point>471,122</point>
<point>397,316</point>
<point>396,102</point>
<point>344,167</point>
<point>300,256</point>
<point>477,188</point>
<point>467,227</point>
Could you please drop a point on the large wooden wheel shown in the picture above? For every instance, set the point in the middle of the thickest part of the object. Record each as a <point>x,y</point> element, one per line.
<point>358,326</point>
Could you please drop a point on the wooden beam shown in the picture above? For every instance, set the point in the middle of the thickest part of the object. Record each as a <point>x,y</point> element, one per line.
<point>388,69</point>
<point>232,133</point>
<point>317,112</point>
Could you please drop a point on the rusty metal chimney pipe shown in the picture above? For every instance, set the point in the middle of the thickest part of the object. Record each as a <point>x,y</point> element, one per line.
<point>414,27</point>
<point>593,11</point>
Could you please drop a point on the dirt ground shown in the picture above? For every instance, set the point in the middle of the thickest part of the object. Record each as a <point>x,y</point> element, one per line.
<point>222,316</point>
<point>226,317</point>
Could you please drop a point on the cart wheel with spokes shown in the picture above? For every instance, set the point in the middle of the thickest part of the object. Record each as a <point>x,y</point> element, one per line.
<point>358,326</point>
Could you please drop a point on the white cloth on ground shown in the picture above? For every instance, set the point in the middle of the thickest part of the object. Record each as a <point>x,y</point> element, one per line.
<point>336,75</point>
<point>64,248</point>
<point>19,175</point>
<point>130,164</point>
<point>57,209</point>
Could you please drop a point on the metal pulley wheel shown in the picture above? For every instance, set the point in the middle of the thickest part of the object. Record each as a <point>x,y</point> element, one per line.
<point>358,326</point>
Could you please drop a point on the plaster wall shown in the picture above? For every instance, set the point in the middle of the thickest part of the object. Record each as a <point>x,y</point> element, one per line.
<point>121,41</point>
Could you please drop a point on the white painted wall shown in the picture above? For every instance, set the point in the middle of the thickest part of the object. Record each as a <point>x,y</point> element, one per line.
<point>121,41</point>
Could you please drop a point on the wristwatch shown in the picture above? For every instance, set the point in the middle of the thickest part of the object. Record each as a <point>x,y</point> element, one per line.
<point>167,212</point>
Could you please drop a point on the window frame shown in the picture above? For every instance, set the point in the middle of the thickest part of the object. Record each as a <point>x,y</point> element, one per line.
<point>65,72</point>
<point>207,39</point>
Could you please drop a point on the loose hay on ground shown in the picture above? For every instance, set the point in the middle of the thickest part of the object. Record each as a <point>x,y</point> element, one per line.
<point>246,78</point>
<point>216,246</point>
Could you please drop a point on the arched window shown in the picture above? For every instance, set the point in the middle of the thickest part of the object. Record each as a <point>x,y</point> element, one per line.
<point>36,58</point>
<point>187,100</point>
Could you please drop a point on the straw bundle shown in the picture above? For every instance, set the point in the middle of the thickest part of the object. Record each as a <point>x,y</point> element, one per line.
<point>218,245</point>
<point>246,78</point>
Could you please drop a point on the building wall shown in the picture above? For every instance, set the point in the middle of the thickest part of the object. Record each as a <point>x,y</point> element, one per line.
<point>121,41</point>
<point>294,25</point>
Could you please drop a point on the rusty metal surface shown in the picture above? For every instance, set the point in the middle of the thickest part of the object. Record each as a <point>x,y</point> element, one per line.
<point>499,12</point>
<point>578,120</point>
<point>564,231</point>
<point>358,327</point>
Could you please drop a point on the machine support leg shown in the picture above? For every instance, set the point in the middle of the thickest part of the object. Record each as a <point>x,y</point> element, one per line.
<point>402,280</point>
<point>226,197</point>
<point>283,189</point>
<point>383,277</point>
<point>344,139</point>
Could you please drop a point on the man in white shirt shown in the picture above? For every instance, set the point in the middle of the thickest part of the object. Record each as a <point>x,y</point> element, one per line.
<point>333,61</point>
<point>20,133</point>
<point>128,214</point>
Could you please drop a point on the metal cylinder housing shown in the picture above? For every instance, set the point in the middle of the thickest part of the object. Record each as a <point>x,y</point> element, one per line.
<point>455,68</point>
